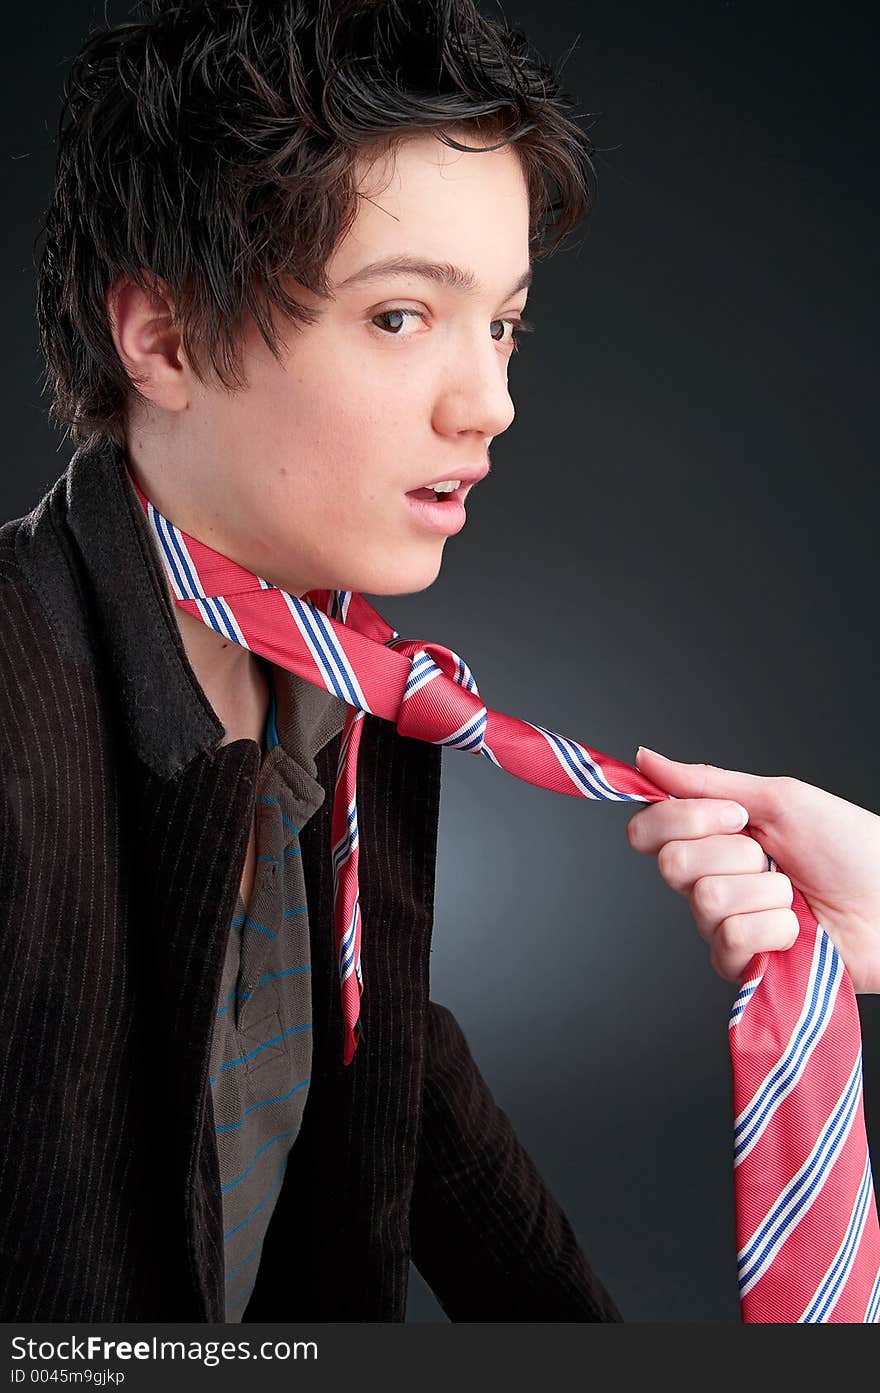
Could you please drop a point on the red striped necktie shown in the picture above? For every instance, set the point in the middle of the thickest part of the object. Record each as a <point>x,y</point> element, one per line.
<point>806,1215</point>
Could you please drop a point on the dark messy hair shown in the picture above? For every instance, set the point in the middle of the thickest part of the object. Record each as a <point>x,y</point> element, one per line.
<point>211,146</point>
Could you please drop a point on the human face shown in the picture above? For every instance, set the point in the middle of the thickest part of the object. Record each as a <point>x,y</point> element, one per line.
<point>302,475</point>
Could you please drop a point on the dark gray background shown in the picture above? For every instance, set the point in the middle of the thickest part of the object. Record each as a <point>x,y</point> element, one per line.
<point>676,547</point>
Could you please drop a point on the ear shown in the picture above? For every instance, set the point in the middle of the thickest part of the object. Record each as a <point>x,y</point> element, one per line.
<point>147,339</point>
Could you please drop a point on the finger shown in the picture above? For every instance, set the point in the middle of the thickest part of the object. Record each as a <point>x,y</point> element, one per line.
<point>761,794</point>
<point>682,863</point>
<point>741,936</point>
<point>715,899</point>
<point>682,819</point>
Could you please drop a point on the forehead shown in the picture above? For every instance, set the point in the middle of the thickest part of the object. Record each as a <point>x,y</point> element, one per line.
<point>464,212</point>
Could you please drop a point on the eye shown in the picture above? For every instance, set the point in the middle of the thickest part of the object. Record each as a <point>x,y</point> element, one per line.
<point>388,314</point>
<point>518,326</point>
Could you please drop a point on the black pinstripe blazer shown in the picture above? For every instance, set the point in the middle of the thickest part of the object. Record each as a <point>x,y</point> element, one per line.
<point>119,810</point>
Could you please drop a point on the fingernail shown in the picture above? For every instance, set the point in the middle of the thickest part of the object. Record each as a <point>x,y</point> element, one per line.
<point>732,815</point>
<point>643,749</point>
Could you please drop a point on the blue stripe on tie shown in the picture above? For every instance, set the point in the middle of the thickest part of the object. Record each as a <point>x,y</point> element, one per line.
<point>592,771</point>
<point>742,997</point>
<point>762,1099</point>
<point>463,674</point>
<point>829,1289</point>
<point>264,1103</point>
<point>347,952</point>
<point>239,1265</point>
<point>326,643</point>
<point>343,849</point>
<point>272,1188</point>
<point>243,1059</point>
<point>422,671</point>
<point>285,972</point>
<point>186,579</point>
<point>224,624</point>
<point>781,1076</point>
<point>265,1147</point>
<point>240,1299</point>
<point>229,1000</point>
<point>176,551</point>
<point>261,928</point>
<point>287,823</point>
<point>246,996</point>
<point>471,735</point>
<point>346,841</point>
<point>587,778</point>
<point>780,1221</point>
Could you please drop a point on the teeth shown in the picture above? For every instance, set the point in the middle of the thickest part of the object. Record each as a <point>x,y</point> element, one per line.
<point>447,486</point>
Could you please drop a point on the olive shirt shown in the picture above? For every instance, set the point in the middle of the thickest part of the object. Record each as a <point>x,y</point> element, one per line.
<point>261,1050</point>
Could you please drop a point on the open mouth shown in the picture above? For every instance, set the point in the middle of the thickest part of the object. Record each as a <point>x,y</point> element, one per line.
<point>432,496</point>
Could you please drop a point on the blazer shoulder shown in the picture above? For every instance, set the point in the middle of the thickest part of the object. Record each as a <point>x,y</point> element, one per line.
<point>42,580</point>
<point>47,674</point>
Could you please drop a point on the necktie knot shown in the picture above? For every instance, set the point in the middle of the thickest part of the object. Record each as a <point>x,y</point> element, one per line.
<point>440,701</point>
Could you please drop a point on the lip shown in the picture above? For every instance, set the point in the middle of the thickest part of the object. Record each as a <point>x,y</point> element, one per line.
<point>447,518</point>
<point>473,477</point>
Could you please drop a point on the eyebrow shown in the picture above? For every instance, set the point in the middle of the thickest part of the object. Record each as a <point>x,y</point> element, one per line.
<point>441,272</point>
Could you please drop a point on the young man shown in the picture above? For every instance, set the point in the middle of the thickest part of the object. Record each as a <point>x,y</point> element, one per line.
<point>182,1138</point>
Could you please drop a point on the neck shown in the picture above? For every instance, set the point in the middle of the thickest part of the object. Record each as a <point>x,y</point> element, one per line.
<point>234,680</point>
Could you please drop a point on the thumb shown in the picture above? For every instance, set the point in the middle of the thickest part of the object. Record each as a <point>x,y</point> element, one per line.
<point>753,791</point>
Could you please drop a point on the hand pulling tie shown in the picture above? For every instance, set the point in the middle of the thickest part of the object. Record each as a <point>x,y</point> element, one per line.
<point>806,1216</point>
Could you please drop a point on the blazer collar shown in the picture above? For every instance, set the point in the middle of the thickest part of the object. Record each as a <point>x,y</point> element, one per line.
<point>88,552</point>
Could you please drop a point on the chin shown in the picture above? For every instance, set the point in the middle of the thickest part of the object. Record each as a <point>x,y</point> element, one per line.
<point>399,579</point>
<point>395,571</point>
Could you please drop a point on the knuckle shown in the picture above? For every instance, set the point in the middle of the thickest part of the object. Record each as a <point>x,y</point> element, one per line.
<point>672,862</point>
<point>786,889</point>
<point>747,856</point>
<point>782,791</point>
<point>701,775</point>
<point>779,929</point>
<point>634,832</point>
<point>707,896</point>
<point>732,936</point>
<point>776,891</point>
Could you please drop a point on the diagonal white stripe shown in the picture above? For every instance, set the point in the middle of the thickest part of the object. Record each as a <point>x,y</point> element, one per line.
<point>332,663</point>
<point>827,1293</point>
<point>802,1191</point>
<point>743,995</point>
<point>826,972</point>
<point>582,784</point>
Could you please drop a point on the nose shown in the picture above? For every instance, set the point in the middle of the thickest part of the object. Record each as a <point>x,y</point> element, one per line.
<point>477,397</point>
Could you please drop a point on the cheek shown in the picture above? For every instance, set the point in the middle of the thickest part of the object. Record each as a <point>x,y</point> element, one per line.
<point>358,454</point>
<point>333,445</point>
